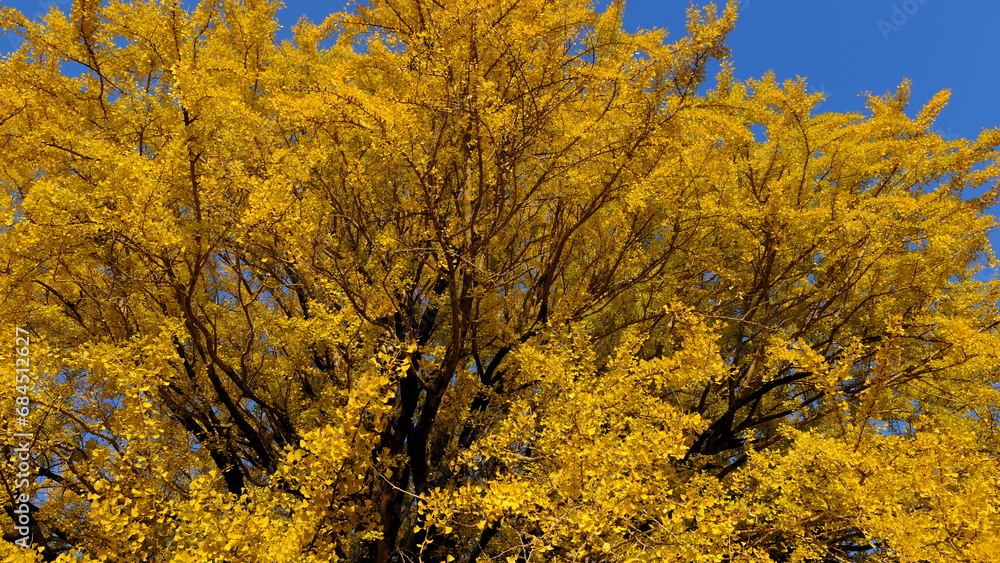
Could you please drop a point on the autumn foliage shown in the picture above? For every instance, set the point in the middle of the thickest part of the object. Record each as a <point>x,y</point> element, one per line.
<point>470,280</point>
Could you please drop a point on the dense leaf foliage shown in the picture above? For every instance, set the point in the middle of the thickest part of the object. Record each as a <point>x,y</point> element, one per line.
<point>476,281</point>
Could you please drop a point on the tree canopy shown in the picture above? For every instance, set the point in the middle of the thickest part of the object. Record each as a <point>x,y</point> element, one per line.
<point>465,280</point>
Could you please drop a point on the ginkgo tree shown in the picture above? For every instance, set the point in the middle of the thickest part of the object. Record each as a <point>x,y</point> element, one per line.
<point>464,280</point>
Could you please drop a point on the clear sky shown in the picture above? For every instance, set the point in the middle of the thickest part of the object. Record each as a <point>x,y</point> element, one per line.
<point>847,47</point>
<point>842,47</point>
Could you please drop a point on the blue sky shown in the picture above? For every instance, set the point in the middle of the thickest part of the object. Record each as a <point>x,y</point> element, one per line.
<point>847,47</point>
<point>842,47</point>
